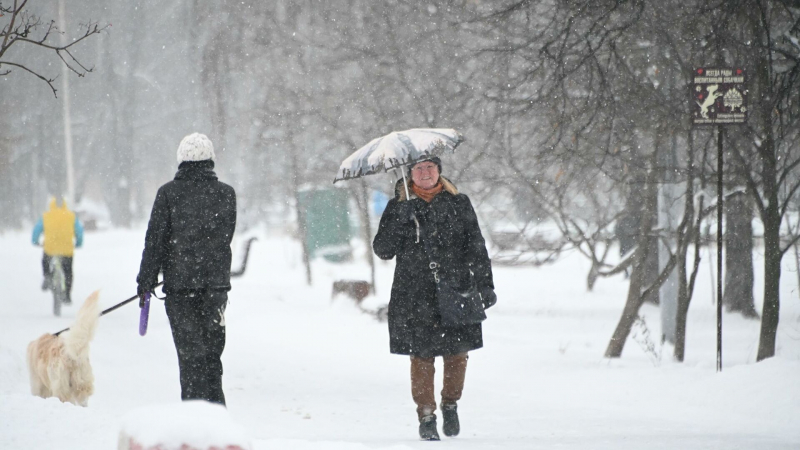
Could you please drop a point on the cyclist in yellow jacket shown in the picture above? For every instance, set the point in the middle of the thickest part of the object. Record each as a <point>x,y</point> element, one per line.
<point>60,226</point>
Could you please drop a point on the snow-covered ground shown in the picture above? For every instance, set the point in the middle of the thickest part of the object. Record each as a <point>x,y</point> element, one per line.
<point>305,372</point>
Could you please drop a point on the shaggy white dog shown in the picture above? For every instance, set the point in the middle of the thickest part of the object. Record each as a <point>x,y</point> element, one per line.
<point>59,365</point>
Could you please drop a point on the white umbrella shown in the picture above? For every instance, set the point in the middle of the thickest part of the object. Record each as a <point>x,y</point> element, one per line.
<point>396,149</point>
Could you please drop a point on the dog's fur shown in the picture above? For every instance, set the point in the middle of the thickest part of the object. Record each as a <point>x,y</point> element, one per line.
<point>59,365</point>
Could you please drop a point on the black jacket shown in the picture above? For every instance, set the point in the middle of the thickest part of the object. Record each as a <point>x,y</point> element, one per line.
<point>190,231</point>
<point>450,225</point>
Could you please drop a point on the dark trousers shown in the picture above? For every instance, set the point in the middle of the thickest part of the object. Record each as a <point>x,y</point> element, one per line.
<point>66,264</point>
<point>197,320</point>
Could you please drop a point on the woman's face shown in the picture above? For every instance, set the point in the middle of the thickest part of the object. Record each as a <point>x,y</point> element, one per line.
<point>425,174</point>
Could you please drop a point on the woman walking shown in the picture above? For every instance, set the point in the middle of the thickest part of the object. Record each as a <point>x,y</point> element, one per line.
<point>438,244</point>
<point>189,240</point>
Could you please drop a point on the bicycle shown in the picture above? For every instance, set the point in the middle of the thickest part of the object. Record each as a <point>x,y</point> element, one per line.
<point>58,284</point>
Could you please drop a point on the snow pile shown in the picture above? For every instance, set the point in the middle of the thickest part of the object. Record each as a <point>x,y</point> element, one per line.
<point>194,424</point>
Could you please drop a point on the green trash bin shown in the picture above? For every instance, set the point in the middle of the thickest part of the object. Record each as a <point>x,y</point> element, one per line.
<point>327,223</point>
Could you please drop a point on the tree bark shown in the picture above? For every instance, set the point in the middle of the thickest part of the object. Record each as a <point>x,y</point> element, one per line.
<point>638,274</point>
<point>641,207</point>
<point>650,270</point>
<point>631,309</point>
<point>770,211</point>
<point>772,277</point>
<point>366,228</point>
<point>689,231</point>
<point>738,295</point>
<point>591,278</point>
<point>683,309</point>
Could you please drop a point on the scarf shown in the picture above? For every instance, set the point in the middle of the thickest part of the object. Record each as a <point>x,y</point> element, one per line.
<point>427,194</point>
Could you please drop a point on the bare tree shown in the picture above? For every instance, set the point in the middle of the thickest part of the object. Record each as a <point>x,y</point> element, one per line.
<point>767,34</point>
<point>738,293</point>
<point>26,29</point>
<point>605,86</point>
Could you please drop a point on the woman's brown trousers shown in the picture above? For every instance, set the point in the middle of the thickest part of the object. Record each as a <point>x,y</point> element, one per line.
<point>422,371</point>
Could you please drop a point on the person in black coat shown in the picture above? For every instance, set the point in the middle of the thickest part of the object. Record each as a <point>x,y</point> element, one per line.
<point>437,224</point>
<point>188,240</point>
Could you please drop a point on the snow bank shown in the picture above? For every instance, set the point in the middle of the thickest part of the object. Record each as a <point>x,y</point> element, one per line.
<point>188,425</point>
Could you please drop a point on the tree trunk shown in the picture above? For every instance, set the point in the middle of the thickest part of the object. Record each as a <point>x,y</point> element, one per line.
<point>120,154</point>
<point>302,229</point>
<point>686,281</point>
<point>591,279</point>
<point>683,309</point>
<point>772,277</point>
<point>651,270</point>
<point>771,218</point>
<point>367,229</point>
<point>638,276</point>
<point>630,312</point>
<point>738,295</point>
<point>770,211</point>
<point>641,206</point>
<point>689,232</point>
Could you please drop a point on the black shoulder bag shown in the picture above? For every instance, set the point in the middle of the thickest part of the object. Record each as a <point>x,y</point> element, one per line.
<point>456,308</point>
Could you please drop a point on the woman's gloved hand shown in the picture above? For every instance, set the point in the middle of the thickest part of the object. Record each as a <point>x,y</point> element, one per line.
<point>405,211</point>
<point>141,292</point>
<point>488,297</point>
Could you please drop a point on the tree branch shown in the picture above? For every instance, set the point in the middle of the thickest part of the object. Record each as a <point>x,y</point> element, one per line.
<point>21,32</point>
<point>48,81</point>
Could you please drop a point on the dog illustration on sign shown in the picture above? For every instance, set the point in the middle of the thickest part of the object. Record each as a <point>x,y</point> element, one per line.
<point>712,97</point>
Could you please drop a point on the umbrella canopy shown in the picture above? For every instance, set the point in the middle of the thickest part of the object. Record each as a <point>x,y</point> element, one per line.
<point>396,149</point>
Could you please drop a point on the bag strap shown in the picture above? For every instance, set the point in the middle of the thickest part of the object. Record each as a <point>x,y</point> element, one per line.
<point>433,265</point>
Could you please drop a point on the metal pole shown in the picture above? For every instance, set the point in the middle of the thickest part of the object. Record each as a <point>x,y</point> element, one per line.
<point>719,248</point>
<point>70,195</point>
<point>405,183</point>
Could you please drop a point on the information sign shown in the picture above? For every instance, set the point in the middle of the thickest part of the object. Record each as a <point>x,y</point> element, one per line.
<point>719,96</point>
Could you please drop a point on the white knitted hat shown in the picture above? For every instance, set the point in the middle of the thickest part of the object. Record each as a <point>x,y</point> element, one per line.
<point>195,147</point>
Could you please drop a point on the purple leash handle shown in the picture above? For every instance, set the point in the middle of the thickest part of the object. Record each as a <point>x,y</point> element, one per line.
<point>144,315</point>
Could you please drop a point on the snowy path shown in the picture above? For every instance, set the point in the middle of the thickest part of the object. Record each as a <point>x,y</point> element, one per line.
<point>302,372</point>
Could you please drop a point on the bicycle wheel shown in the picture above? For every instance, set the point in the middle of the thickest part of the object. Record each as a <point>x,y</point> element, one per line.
<point>57,303</point>
<point>58,286</point>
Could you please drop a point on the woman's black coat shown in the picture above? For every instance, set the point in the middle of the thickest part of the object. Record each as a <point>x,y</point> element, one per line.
<point>190,232</point>
<point>450,226</point>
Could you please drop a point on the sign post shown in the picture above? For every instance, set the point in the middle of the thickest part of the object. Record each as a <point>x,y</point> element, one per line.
<point>718,98</point>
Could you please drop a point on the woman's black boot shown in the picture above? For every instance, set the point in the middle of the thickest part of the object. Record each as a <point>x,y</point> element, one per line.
<point>427,428</point>
<point>450,427</point>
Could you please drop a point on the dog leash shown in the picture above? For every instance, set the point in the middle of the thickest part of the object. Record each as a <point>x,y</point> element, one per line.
<point>118,305</point>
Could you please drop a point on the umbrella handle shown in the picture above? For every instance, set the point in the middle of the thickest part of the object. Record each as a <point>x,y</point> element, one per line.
<point>405,183</point>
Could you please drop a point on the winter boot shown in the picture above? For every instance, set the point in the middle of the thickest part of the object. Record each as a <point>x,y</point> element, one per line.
<point>427,428</point>
<point>450,427</point>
